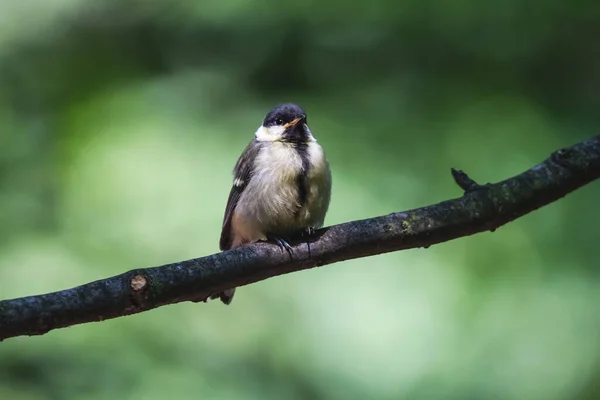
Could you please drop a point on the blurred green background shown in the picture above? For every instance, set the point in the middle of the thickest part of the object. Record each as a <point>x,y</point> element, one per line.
<point>120,123</point>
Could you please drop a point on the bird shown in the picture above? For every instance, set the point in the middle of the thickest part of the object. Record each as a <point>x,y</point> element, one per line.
<point>281,185</point>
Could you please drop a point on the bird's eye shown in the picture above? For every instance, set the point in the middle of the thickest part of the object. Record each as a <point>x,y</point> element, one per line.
<point>279,121</point>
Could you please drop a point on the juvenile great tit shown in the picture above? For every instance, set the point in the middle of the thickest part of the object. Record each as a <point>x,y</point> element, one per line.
<point>281,185</point>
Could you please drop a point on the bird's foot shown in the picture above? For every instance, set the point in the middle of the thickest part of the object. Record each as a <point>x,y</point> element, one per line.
<point>283,245</point>
<point>307,233</point>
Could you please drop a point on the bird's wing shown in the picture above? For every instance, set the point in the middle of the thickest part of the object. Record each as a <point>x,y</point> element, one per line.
<point>242,174</point>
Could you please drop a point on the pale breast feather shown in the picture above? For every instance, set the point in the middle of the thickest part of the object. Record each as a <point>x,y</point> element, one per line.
<point>271,196</point>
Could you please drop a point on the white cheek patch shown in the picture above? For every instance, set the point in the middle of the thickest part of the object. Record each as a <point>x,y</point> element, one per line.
<point>270,134</point>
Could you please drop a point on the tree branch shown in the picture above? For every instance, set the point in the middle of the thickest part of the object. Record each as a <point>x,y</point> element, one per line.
<point>482,208</point>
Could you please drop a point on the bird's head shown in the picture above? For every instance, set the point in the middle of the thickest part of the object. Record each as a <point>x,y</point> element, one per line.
<point>285,123</point>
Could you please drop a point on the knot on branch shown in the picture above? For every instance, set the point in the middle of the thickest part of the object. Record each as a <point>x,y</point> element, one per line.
<point>138,282</point>
<point>139,290</point>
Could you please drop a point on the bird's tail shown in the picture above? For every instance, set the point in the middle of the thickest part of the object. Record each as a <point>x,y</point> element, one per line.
<point>226,296</point>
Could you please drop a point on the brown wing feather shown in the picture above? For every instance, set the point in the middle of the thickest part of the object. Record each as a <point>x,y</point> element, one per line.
<point>242,174</point>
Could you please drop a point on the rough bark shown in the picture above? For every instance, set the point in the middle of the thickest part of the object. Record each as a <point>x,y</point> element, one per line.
<point>481,208</point>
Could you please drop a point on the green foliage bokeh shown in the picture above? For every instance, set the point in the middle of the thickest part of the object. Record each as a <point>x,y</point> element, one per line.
<point>120,123</point>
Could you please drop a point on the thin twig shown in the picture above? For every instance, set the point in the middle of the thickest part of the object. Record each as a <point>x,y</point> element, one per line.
<point>463,180</point>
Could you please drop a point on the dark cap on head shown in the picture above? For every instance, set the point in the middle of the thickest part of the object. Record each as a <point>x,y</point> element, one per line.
<point>284,114</point>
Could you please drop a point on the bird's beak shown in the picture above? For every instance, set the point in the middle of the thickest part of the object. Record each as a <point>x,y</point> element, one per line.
<point>293,123</point>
